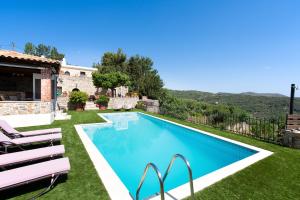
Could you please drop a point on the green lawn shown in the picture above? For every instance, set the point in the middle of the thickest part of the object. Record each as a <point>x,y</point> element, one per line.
<point>276,177</point>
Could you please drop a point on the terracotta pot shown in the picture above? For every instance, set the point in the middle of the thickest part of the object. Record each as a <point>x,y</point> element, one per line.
<point>80,107</point>
<point>102,107</point>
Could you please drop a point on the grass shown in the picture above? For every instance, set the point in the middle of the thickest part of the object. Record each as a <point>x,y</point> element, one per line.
<point>83,181</point>
<point>276,177</point>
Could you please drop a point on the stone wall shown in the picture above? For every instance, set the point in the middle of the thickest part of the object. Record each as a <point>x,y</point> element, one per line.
<point>291,139</point>
<point>151,105</point>
<point>62,103</point>
<point>68,83</point>
<point>122,102</point>
<point>25,107</point>
<point>75,71</point>
<point>85,84</point>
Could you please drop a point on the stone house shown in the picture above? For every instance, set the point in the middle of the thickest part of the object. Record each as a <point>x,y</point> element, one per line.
<point>75,77</point>
<point>27,88</point>
<point>79,77</point>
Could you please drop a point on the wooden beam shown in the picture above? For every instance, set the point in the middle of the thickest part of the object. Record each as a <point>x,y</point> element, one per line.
<point>19,66</point>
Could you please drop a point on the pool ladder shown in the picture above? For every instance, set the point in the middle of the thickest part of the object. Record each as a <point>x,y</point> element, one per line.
<point>162,179</point>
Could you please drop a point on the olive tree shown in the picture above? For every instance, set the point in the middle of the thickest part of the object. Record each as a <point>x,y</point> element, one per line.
<point>110,80</point>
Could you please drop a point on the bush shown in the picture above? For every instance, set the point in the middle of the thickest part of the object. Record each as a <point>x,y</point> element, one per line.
<point>174,107</point>
<point>183,108</point>
<point>141,105</point>
<point>103,101</point>
<point>78,97</point>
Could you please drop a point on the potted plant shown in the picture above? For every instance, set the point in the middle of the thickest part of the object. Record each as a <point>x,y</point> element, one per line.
<point>78,99</point>
<point>102,102</point>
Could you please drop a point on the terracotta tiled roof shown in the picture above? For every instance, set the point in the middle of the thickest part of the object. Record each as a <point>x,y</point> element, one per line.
<point>26,57</point>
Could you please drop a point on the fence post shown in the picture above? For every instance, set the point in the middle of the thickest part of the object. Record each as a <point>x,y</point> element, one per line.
<point>242,125</point>
<point>273,124</point>
<point>264,121</point>
<point>292,98</point>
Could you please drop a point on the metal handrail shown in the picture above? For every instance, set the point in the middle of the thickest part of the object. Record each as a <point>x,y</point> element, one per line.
<point>161,183</point>
<point>189,169</point>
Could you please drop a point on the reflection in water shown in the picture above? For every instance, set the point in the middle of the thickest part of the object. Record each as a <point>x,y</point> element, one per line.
<point>120,122</point>
<point>121,125</point>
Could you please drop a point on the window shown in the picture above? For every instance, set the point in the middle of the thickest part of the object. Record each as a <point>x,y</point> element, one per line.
<point>67,73</point>
<point>52,89</point>
<point>82,73</point>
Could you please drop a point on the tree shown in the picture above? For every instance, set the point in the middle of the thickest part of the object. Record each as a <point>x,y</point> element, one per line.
<point>55,55</point>
<point>112,62</point>
<point>143,77</point>
<point>29,48</point>
<point>110,80</point>
<point>43,50</point>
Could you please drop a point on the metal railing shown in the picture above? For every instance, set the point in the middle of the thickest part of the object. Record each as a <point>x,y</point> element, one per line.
<point>161,183</point>
<point>189,170</point>
<point>162,180</point>
<point>268,130</point>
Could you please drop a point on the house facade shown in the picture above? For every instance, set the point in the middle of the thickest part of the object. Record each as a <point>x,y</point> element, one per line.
<point>32,88</point>
<point>73,77</point>
<point>27,88</point>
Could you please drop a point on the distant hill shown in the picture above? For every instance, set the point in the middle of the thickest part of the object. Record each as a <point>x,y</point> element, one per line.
<point>268,105</point>
<point>263,94</point>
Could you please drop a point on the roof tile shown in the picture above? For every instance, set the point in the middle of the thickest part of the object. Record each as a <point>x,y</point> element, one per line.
<point>27,57</point>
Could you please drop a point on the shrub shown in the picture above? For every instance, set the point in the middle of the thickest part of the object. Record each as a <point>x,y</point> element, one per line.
<point>103,101</point>
<point>78,97</point>
<point>141,105</point>
<point>174,107</point>
<point>183,108</point>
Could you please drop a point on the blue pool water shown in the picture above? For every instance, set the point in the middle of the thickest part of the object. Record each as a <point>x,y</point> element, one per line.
<point>135,139</point>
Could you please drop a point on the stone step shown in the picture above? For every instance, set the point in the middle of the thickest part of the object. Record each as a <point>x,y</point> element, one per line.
<point>62,116</point>
<point>90,106</point>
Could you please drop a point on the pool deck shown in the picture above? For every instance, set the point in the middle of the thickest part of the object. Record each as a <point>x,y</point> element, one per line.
<point>117,190</point>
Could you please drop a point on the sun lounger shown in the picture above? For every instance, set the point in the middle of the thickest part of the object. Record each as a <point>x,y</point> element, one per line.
<point>31,155</point>
<point>31,173</point>
<point>128,106</point>
<point>7,142</point>
<point>13,132</point>
<point>117,107</point>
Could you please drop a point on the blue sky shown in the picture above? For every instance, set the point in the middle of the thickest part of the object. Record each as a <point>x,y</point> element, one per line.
<point>209,45</point>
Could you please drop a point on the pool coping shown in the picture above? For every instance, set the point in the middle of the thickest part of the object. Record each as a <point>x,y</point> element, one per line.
<point>117,190</point>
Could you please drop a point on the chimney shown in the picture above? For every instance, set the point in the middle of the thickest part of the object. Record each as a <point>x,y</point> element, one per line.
<point>64,62</point>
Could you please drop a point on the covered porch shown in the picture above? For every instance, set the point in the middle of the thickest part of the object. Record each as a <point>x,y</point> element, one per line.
<point>27,88</point>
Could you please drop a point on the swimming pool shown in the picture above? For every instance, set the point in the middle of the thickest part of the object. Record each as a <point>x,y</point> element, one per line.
<point>130,140</point>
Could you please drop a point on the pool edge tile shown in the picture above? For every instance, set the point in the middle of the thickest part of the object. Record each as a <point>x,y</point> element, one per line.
<point>114,186</point>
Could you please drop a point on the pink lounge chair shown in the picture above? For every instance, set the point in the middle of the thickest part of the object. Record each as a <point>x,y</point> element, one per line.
<point>13,132</point>
<point>31,155</point>
<point>7,142</point>
<point>31,173</point>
